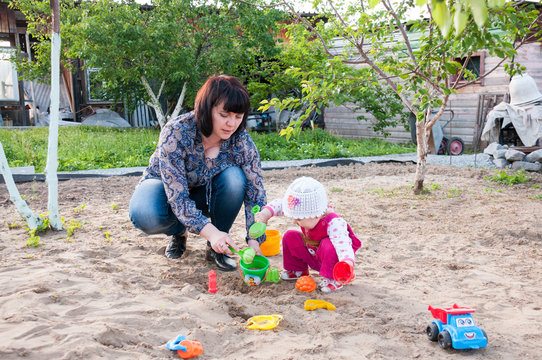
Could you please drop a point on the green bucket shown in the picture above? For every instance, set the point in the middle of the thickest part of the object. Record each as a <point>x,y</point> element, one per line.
<point>255,272</point>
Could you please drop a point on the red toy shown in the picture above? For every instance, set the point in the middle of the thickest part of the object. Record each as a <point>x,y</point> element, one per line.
<point>343,272</point>
<point>212,282</point>
<point>442,314</point>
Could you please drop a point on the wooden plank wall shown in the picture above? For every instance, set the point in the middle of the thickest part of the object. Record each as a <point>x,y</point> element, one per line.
<point>7,19</point>
<point>341,121</point>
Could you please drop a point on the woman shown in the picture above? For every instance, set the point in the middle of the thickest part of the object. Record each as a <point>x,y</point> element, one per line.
<point>205,166</point>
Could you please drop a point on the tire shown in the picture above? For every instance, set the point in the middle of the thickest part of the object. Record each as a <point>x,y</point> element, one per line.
<point>442,150</point>
<point>432,332</point>
<point>445,340</point>
<point>455,146</point>
<point>483,332</point>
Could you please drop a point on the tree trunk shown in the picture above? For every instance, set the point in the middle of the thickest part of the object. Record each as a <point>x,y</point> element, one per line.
<point>52,153</point>
<point>154,103</point>
<point>422,138</point>
<point>180,101</point>
<point>32,220</point>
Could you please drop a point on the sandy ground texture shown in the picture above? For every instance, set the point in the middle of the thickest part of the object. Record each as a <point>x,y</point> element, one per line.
<point>109,293</point>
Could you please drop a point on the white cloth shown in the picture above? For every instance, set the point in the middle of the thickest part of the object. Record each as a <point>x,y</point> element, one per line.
<point>525,119</point>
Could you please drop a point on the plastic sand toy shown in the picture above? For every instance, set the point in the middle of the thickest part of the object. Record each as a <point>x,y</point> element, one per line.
<point>255,272</point>
<point>247,254</point>
<point>263,322</point>
<point>305,283</point>
<point>454,327</point>
<point>257,229</point>
<point>212,282</point>
<point>273,275</point>
<point>271,246</point>
<point>313,304</point>
<point>343,272</point>
<point>186,349</point>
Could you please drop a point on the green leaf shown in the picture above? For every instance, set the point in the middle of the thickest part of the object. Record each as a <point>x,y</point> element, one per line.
<point>479,11</point>
<point>460,20</point>
<point>373,3</point>
<point>496,4</point>
<point>442,16</point>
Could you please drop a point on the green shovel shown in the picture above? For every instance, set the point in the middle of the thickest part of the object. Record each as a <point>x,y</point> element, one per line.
<point>247,254</point>
<point>257,229</point>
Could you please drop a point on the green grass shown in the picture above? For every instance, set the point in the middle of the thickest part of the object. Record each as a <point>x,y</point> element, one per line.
<point>318,144</point>
<point>89,147</point>
<point>80,147</point>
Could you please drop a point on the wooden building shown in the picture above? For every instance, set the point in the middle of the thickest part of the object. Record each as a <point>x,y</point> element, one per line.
<point>469,106</point>
<point>12,103</point>
<point>22,103</point>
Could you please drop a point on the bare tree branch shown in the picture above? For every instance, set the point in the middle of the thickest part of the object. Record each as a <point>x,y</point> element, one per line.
<point>387,4</point>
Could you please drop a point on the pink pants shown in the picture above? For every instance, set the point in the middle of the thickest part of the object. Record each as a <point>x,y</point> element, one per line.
<point>296,256</point>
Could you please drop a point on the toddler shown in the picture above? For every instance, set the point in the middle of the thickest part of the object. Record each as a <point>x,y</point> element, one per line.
<point>325,238</point>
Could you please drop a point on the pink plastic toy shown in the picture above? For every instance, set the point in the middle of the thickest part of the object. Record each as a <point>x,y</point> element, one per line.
<point>212,282</point>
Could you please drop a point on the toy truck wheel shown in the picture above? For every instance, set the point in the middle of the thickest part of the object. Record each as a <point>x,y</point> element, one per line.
<point>483,332</point>
<point>444,339</point>
<point>432,332</point>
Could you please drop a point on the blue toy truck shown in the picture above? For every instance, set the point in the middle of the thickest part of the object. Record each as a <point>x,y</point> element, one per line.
<point>455,327</point>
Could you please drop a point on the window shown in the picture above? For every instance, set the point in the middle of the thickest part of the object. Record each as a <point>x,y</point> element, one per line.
<point>475,65</point>
<point>95,88</point>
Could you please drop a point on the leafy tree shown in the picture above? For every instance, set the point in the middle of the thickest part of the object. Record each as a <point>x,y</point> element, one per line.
<point>411,56</point>
<point>302,60</point>
<point>326,80</point>
<point>151,52</point>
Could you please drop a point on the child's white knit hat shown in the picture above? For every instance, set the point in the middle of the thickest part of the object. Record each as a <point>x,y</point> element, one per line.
<point>305,198</point>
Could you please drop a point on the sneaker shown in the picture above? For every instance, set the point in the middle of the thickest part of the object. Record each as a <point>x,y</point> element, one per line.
<point>222,261</point>
<point>290,275</point>
<point>177,246</point>
<point>329,285</point>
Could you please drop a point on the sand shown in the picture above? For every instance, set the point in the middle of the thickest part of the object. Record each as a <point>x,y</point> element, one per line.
<point>108,292</point>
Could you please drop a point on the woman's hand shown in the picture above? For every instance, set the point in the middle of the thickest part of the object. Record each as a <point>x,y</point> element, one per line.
<point>219,240</point>
<point>263,216</point>
<point>255,245</point>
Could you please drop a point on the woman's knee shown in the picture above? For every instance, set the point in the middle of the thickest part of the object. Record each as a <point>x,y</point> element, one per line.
<point>231,183</point>
<point>149,208</point>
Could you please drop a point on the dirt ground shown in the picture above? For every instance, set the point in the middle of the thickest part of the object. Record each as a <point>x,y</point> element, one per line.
<point>108,291</point>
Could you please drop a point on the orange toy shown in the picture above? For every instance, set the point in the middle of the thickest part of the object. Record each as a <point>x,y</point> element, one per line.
<point>193,349</point>
<point>305,283</point>
<point>186,349</point>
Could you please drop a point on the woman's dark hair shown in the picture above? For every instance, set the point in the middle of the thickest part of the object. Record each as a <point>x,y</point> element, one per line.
<point>218,89</point>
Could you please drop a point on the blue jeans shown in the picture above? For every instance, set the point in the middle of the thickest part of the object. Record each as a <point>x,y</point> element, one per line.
<point>151,213</point>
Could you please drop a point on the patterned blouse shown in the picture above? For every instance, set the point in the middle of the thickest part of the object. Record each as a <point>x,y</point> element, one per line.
<point>179,161</point>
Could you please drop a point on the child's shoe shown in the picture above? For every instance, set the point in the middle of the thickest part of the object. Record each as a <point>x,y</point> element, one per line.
<point>329,285</point>
<point>290,275</point>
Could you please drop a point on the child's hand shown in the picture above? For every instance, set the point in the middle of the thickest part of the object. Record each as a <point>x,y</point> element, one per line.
<point>263,216</point>
<point>255,245</point>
